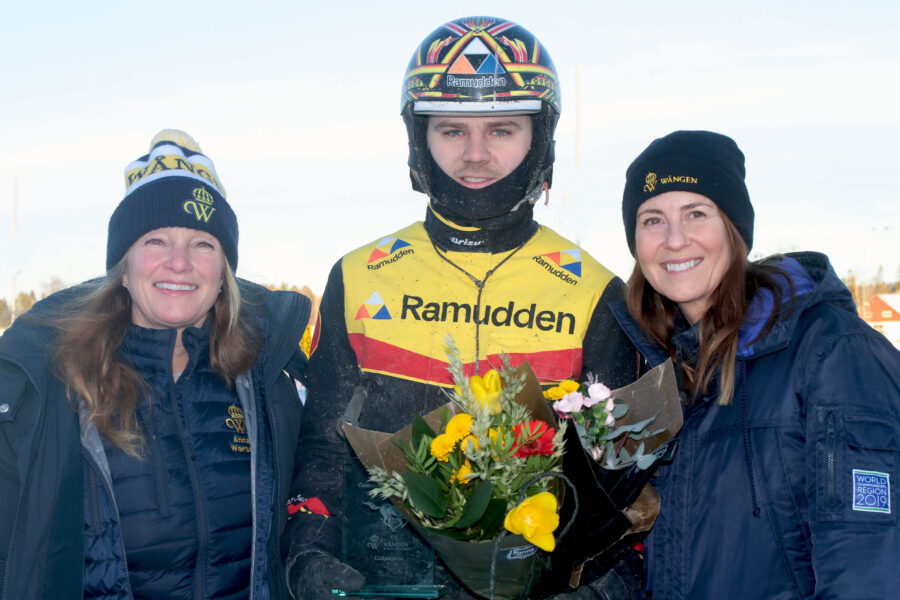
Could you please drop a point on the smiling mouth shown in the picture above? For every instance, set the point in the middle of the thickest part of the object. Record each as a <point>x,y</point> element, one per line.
<point>472,181</point>
<point>175,287</point>
<point>682,266</point>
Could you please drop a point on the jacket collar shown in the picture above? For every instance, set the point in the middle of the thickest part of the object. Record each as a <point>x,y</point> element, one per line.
<point>451,237</point>
<point>815,282</point>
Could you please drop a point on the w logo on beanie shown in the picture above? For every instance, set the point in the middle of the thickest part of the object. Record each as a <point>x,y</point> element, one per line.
<point>202,205</point>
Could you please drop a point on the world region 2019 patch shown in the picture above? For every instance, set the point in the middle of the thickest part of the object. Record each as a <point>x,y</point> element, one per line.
<point>871,491</point>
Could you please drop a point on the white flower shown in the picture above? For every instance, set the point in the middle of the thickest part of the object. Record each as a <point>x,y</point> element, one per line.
<point>597,392</point>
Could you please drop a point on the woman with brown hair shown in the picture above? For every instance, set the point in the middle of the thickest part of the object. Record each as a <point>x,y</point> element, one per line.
<point>148,419</point>
<point>781,487</point>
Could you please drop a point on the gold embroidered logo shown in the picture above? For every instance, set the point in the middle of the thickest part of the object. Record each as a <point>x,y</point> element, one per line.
<point>678,179</point>
<point>239,443</point>
<point>235,418</point>
<point>650,180</point>
<point>201,206</point>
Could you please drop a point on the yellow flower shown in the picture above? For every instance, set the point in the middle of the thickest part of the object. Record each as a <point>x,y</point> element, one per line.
<point>554,393</point>
<point>535,519</point>
<point>486,390</point>
<point>469,443</point>
<point>459,426</point>
<point>461,475</point>
<point>497,434</point>
<point>569,386</point>
<point>441,446</point>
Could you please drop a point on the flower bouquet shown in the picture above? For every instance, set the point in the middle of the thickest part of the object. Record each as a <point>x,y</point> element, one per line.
<point>459,473</point>
<point>617,441</point>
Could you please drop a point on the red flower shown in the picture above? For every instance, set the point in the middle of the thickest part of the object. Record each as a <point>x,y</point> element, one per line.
<point>533,437</point>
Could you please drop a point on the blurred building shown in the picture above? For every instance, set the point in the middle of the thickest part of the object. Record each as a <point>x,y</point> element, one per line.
<point>882,311</point>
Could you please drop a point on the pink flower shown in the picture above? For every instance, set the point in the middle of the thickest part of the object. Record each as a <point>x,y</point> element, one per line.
<point>597,392</point>
<point>610,421</point>
<point>569,403</point>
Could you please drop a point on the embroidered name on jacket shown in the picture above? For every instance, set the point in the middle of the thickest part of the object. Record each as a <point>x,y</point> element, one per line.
<point>535,306</point>
<point>235,421</point>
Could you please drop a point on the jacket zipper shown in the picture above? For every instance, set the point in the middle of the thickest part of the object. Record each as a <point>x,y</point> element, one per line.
<point>831,500</point>
<point>199,505</point>
<point>276,469</point>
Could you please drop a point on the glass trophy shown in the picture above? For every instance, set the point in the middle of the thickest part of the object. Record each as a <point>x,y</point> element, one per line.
<point>379,543</point>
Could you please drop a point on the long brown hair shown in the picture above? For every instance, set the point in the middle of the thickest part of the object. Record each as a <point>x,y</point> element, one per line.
<point>91,334</point>
<point>720,326</point>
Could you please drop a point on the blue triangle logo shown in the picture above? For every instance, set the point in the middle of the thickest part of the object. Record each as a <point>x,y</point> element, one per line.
<point>399,244</point>
<point>490,66</point>
<point>382,314</point>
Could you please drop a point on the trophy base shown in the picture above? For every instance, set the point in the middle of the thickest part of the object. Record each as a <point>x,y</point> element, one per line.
<point>393,591</point>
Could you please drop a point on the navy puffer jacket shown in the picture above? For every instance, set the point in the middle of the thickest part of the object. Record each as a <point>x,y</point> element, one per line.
<point>790,491</point>
<point>185,506</point>
<point>55,545</point>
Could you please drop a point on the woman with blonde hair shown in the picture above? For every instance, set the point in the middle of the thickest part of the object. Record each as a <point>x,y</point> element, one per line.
<point>781,487</point>
<point>148,419</point>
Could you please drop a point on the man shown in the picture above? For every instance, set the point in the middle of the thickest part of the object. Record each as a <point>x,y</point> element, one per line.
<point>480,102</point>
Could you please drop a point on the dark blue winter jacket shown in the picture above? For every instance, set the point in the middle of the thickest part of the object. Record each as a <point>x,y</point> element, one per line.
<point>54,544</point>
<point>790,491</point>
<point>185,507</point>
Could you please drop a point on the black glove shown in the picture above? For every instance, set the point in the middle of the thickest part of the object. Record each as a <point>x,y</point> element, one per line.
<point>315,575</point>
<point>622,582</point>
<point>609,587</point>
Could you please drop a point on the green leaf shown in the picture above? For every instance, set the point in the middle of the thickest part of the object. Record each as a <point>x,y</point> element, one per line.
<point>646,461</point>
<point>425,494</point>
<point>492,519</point>
<point>619,411</point>
<point>456,534</point>
<point>420,428</point>
<point>476,505</point>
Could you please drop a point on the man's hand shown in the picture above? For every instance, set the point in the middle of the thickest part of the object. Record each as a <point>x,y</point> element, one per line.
<point>315,575</point>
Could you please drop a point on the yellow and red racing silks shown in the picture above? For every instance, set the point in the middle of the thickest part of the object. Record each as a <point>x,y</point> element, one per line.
<point>402,299</point>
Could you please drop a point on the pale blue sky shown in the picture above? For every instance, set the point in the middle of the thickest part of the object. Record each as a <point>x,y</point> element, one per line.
<point>298,106</point>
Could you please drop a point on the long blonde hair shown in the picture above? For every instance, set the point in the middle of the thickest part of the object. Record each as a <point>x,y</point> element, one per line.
<point>721,325</point>
<point>91,334</point>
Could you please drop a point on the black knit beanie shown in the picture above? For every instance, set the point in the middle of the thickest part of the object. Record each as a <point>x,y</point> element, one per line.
<point>175,185</point>
<point>702,162</point>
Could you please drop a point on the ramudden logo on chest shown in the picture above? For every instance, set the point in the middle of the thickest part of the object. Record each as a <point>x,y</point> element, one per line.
<point>373,308</point>
<point>388,251</point>
<point>565,264</point>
